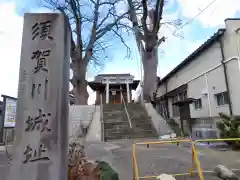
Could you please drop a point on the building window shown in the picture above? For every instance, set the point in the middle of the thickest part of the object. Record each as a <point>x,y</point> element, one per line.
<point>198,104</point>
<point>222,98</point>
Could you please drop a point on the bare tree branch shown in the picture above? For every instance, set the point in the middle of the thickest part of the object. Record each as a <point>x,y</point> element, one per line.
<point>108,27</point>
<point>158,15</point>
<point>133,18</point>
<point>90,22</point>
<point>78,20</point>
<point>162,39</point>
<point>122,40</point>
<point>89,50</point>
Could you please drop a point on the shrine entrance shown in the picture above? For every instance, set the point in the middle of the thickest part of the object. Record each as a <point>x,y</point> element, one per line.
<point>115,97</point>
<point>113,88</point>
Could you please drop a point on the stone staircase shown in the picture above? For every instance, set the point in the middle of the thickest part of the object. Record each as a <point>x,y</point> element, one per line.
<point>116,124</point>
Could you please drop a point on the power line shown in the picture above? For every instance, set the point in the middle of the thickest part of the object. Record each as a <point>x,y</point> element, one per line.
<point>201,11</point>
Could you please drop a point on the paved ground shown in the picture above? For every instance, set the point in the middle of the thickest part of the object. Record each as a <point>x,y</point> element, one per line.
<point>3,165</point>
<point>153,160</point>
<point>162,159</point>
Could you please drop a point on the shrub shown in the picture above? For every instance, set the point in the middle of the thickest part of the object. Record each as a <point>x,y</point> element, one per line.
<point>229,127</point>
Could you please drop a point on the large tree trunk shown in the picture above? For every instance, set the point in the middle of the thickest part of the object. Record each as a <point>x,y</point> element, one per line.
<point>79,82</point>
<point>150,62</point>
<point>80,93</point>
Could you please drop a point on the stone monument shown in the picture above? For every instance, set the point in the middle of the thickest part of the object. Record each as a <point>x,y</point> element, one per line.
<point>41,142</point>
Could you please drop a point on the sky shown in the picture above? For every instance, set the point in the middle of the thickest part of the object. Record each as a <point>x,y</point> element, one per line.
<point>171,53</point>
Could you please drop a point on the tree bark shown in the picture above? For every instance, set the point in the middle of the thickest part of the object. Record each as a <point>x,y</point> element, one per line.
<point>150,62</point>
<point>79,82</point>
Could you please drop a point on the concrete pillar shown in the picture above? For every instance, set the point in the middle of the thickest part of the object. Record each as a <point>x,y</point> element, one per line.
<point>43,94</point>
<point>128,92</point>
<point>107,92</point>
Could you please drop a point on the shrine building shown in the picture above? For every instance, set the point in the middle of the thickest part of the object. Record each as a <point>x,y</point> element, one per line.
<point>113,88</point>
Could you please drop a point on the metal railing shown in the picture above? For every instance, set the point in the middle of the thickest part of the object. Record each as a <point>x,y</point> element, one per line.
<point>101,117</point>
<point>125,108</point>
<point>196,165</point>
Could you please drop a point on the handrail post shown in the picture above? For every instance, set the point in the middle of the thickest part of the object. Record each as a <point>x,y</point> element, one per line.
<point>197,162</point>
<point>101,117</point>
<point>193,162</point>
<point>135,167</point>
<point>125,108</point>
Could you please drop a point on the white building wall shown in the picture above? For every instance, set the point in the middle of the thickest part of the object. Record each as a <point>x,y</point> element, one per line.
<point>161,90</point>
<point>206,74</point>
<point>216,82</point>
<point>208,59</point>
<point>231,38</point>
<point>232,49</point>
<point>233,71</point>
<point>196,88</point>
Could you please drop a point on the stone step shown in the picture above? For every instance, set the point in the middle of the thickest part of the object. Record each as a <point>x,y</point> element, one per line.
<point>109,138</point>
<point>138,117</point>
<point>116,123</point>
<point>113,105</point>
<point>140,120</point>
<point>127,125</point>
<point>120,130</point>
<point>143,125</point>
<point>117,129</point>
<point>116,120</point>
<point>117,134</point>
<point>112,110</point>
<point>129,131</point>
<point>111,114</point>
<point>143,131</point>
<point>114,114</point>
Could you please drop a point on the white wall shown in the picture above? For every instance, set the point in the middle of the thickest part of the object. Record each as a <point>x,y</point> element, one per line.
<point>208,59</point>
<point>79,114</point>
<point>196,88</point>
<point>161,90</point>
<point>158,121</point>
<point>232,48</point>
<point>95,130</point>
<point>233,71</point>
<point>217,84</point>
<point>231,39</point>
<point>193,75</point>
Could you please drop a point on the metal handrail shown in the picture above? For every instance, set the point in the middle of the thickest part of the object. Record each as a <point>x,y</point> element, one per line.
<point>125,108</point>
<point>101,117</point>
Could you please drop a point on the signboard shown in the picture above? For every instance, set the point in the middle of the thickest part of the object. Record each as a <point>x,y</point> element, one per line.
<point>10,112</point>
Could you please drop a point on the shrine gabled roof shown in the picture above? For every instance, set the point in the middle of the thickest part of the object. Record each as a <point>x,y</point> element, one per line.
<point>97,86</point>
